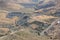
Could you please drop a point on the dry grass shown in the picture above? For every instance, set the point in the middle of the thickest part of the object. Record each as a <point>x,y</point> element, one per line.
<point>14,6</point>
<point>4,29</point>
<point>42,18</point>
<point>3,18</point>
<point>23,35</point>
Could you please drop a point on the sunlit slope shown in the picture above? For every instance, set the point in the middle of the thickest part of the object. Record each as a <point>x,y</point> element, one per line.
<point>6,20</point>
<point>42,18</point>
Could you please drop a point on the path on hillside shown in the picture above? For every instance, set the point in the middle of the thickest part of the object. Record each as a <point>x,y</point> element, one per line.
<point>42,33</point>
<point>1,38</point>
<point>52,24</point>
<point>8,34</point>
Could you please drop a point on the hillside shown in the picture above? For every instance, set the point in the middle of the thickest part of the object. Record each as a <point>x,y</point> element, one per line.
<point>22,35</point>
<point>29,19</point>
